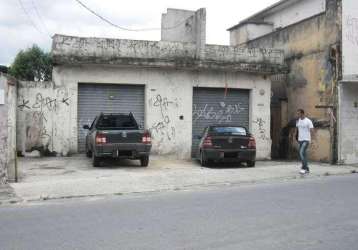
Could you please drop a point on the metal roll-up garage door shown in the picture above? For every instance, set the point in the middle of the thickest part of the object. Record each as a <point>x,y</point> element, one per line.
<point>108,98</point>
<point>214,106</point>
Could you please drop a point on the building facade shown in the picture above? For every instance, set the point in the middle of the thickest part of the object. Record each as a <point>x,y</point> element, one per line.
<point>174,87</point>
<point>319,41</point>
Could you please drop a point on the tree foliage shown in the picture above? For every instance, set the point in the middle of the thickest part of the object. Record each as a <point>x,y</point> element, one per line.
<point>32,64</point>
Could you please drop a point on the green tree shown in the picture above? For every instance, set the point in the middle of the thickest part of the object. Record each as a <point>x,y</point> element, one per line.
<point>32,64</point>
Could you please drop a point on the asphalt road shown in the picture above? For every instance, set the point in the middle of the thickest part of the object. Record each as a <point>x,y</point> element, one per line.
<point>306,214</point>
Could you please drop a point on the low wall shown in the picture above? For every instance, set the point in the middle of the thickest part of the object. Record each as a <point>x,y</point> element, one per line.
<point>7,127</point>
<point>42,110</point>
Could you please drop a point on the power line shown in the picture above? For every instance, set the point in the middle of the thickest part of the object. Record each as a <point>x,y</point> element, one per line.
<point>40,17</point>
<point>125,28</point>
<point>30,19</point>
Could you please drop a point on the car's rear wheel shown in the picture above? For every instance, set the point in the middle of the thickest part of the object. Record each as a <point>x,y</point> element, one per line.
<point>250,164</point>
<point>96,161</point>
<point>203,161</point>
<point>144,161</point>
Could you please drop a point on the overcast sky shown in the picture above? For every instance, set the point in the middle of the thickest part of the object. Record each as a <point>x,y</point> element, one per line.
<point>38,20</point>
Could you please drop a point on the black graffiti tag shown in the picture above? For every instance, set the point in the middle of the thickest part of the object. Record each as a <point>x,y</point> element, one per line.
<point>24,105</point>
<point>163,126</point>
<point>48,102</point>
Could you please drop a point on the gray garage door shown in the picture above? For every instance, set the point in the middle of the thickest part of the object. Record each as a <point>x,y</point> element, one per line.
<point>212,106</point>
<point>96,98</point>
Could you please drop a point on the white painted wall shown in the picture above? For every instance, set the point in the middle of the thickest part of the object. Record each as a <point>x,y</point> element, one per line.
<point>175,85</point>
<point>350,39</point>
<point>348,123</point>
<point>296,12</point>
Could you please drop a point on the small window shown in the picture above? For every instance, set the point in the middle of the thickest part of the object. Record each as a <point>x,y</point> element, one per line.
<point>116,122</point>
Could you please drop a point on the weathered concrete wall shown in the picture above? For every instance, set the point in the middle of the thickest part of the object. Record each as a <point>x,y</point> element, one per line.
<point>308,47</point>
<point>7,127</point>
<point>76,50</point>
<point>348,123</point>
<point>185,26</point>
<point>249,31</point>
<point>176,86</point>
<point>43,111</point>
<point>295,12</point>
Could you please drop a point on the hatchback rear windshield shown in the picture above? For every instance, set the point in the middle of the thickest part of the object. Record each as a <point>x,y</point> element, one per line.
<point>116,122</point>
<point>228,130</point>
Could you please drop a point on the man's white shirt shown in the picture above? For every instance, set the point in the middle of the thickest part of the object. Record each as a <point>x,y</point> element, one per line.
<point>304,127</point>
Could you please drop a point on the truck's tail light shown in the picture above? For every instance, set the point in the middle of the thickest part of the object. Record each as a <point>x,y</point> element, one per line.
<point>252,143</point>
<point>207,143</point>
<point>101,138</point>
<point>146,139</point>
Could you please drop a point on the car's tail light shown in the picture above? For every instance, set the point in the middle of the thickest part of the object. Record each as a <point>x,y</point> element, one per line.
<point>101,138</point>
<point>252,143</point>
<point>207,143</point>
<point>146,139</point>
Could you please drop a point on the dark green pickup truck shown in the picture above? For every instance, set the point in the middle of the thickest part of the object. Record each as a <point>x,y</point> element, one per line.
<point>117,136</point>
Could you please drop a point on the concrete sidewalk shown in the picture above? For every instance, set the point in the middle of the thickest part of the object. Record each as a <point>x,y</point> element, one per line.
<point>55,178</point>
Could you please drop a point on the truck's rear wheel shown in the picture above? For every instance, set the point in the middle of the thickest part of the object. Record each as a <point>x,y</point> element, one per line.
<point>144,161</point>
<point>88,153</point>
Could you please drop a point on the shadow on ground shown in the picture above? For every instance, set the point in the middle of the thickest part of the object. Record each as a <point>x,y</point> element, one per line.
<point>119,163</point>
<point>221,165</point>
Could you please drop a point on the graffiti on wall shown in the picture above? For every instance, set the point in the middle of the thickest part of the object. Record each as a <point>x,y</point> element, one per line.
<point>261,129</point>
<point>223,114</point>
<point>163,129</point>
<point>37,110</point>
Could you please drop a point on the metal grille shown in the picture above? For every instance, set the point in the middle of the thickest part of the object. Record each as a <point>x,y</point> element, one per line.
<point>215,106</point>
<point>108,98</point>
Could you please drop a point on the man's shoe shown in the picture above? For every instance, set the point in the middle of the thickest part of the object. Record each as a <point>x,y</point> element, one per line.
<point>303,171</point>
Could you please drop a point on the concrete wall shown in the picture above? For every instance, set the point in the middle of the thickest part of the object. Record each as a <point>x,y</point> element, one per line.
<point>79,50</point>
<point>350,40</point>
<point>43,111</point>
<point>175,85</point>
<point>7,127</point>
<point>185,26</point>
<point>348,123</point>
<point>295,12</point>
<point>249,31</point>
<point>312,79</point>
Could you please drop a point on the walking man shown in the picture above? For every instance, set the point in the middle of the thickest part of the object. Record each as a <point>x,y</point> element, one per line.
<point>304,129</point>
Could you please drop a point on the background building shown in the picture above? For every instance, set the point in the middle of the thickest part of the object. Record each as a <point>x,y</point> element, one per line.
<point>175,87</point>
<point>320,41</point>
